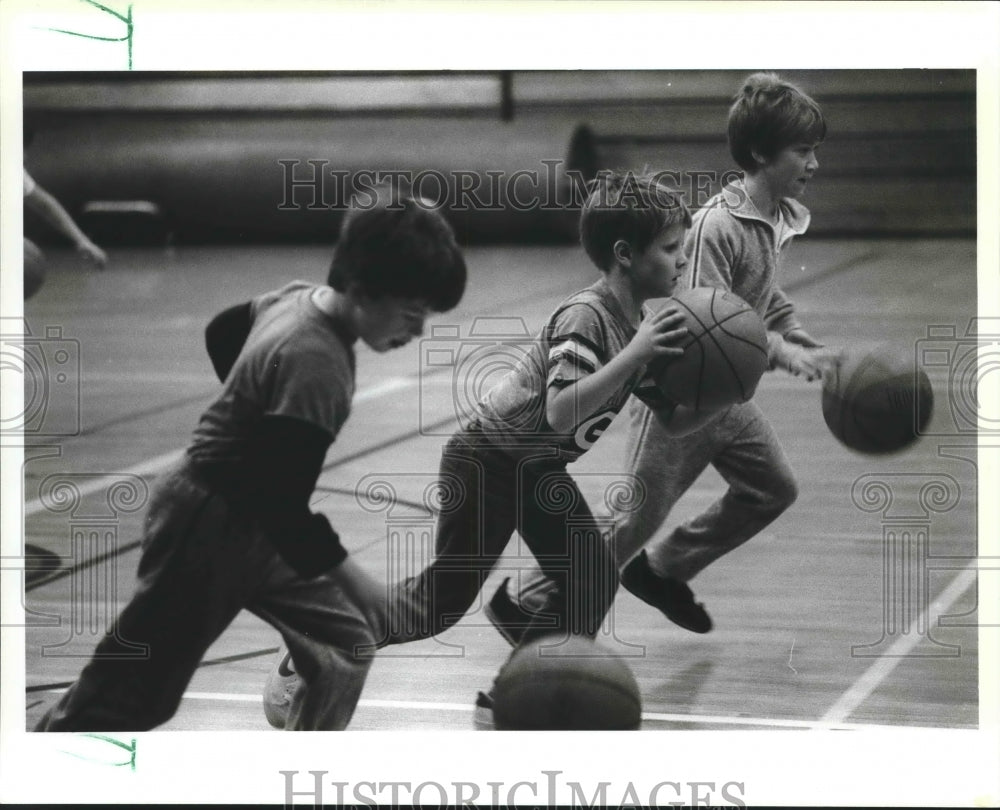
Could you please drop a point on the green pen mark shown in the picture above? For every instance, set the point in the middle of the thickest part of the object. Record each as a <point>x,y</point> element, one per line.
<point>125,18</point>
<point>130,747</point>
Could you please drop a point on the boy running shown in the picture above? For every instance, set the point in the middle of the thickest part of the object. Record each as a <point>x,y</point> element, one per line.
<point>735,244</point>
<point>230,527</point>
<point>547,411</point>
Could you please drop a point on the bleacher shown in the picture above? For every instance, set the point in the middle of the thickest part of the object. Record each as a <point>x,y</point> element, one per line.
<point>212,152</point>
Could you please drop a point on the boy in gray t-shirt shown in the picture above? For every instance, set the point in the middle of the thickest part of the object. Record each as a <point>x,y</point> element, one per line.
<point>230,527</point>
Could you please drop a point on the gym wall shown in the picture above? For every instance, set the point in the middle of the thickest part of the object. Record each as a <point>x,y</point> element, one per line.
<point>237,157</point>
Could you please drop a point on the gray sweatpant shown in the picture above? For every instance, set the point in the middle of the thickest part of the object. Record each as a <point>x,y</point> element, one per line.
<point>742,447</point>
<point>202,562</point>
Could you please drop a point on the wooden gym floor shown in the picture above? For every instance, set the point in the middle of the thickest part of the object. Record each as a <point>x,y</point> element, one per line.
<point>808,632</point>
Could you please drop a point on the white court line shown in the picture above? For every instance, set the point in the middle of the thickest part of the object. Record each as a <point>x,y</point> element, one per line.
<point>156,465</point>
<point>708,719</point>
<point>885,664</point>
<point>99,481</point>
<point>468,708</point>
<point>386,386</point>
<point>362,704</point>
<point>194,377</point>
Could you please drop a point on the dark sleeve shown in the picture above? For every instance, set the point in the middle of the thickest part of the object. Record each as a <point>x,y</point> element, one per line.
<point>275,484</point>
<point>225,335</point>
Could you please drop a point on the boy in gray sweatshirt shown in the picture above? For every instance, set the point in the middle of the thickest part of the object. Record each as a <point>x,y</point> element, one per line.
<point>735,243</point>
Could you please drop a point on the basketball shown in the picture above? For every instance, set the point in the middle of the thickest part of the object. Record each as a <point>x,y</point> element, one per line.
<point>575,684</point>
<point>725,351</point>
<point>876,401</point>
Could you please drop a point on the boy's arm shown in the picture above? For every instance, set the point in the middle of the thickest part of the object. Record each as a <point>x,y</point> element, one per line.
<point>308,402</point>
<point>798,360</point>
<point>273,484</point>
<point>225,335</point>
<point>780,316</point>
<point>286,463</point>
<point>789,346</point>
<point>781,320</point>
<point>568,405</point>
<point>711,253</point>
<point>50,209</point>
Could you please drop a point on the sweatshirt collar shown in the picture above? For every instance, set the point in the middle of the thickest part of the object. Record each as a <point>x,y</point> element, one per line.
<point>795,214</point>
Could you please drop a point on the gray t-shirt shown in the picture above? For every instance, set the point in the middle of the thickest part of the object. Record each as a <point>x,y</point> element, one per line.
<point>294,364</point>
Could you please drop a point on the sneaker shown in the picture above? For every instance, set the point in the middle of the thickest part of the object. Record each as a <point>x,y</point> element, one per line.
<point>507,616</point>
<point>671,596</point>
<point>482,714</point>
<point>279,689</point>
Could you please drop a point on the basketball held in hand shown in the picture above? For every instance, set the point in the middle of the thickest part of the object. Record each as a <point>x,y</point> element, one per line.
<point>725,351</point>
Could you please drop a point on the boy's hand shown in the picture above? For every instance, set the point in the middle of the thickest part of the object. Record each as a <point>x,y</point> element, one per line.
<point>801,337</point>
<point>92,253</point>
<point>800,361</point>
<point>654,339</point>
<point>658,334</point>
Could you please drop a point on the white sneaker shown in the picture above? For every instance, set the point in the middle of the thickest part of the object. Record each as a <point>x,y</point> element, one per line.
<point>482,715</point>
<point>279,689</point>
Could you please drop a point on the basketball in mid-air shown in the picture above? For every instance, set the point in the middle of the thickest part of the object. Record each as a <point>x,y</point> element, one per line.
<point>725,351</point>
<point>875,400</point>
<point>564,684</point>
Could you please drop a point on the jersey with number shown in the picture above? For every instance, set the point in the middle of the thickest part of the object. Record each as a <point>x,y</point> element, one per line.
<point>584,333</point>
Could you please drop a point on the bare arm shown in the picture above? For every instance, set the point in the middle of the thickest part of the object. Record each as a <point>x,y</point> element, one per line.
<point>51,210</point>
<point>567,407</point>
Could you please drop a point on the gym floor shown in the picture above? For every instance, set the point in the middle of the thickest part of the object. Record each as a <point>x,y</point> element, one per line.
<point>817,624</point>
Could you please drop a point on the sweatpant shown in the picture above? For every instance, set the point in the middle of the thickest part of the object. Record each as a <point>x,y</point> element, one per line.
<point>492,494</point>
<point>743,448</point>
<point>202,562</point>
